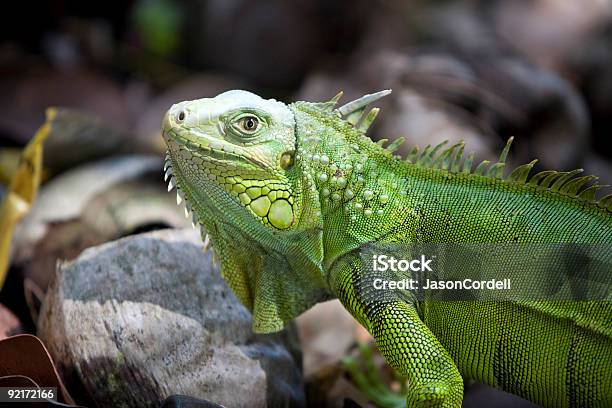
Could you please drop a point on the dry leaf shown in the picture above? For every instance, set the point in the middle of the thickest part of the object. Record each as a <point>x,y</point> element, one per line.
<point>22,192</point>
<point>24,361</point>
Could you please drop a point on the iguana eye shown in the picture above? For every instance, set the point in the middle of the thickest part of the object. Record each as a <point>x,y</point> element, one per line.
<point>248,124</point>
<point>245,126</point>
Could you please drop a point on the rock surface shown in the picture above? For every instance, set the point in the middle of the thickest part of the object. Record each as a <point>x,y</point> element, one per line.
<point>139,319</point>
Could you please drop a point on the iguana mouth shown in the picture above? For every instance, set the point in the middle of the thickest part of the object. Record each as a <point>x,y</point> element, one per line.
<point>209,149</point>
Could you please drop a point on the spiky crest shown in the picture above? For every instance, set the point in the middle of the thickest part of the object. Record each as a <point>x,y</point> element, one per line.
<point>565,183</point>
<point>452,158</point>
<point>331,104</point>
<point>354,111</point>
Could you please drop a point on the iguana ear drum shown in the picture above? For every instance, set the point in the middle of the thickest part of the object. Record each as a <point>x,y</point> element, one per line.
<point>286,160</point>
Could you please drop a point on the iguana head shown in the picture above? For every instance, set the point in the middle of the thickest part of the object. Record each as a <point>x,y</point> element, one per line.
<point>236,150</point>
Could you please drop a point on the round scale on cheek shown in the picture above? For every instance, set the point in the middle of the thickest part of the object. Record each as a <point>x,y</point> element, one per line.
<point>260,206</point>
<point>281,214</point>
<point>238,188</point>
<point>254,192</point>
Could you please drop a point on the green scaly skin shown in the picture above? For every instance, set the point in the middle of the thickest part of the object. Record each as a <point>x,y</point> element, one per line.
<point>289,194</point>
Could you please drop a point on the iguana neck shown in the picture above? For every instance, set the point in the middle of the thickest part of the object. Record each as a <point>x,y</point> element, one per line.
<point>346,171</point>
<point>245,245</point>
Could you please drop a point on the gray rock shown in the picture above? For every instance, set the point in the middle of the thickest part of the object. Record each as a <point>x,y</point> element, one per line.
<point>139,319</point>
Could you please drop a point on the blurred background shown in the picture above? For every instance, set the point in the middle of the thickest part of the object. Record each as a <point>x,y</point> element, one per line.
<point>477,70</point>
<point>540,70</point>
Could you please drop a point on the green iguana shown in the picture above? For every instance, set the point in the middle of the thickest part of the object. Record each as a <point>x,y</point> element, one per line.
<point>290,194</point>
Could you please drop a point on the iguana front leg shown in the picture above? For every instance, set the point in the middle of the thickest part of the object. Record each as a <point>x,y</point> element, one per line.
<point>403,339</point>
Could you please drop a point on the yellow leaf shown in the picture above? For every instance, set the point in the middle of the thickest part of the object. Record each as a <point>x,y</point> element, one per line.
<point>22,191</point>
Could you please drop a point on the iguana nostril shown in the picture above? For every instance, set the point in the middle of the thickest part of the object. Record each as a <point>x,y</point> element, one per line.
<point>181,116</point>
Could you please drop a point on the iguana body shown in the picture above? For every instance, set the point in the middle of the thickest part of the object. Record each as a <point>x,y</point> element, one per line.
<point>290,195</point>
